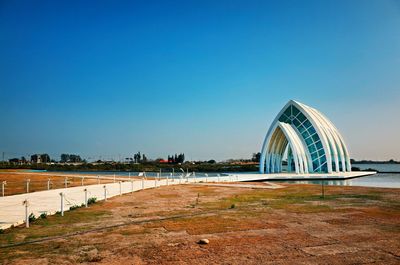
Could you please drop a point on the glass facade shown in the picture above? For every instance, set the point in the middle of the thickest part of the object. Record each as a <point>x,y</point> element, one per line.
<point>303,126</point>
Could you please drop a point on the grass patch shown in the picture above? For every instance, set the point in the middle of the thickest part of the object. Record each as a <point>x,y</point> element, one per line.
<point>292,199</point>
<point>54,225</point>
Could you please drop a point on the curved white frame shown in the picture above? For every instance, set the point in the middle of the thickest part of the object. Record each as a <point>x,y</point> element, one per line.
<point>283,134</point>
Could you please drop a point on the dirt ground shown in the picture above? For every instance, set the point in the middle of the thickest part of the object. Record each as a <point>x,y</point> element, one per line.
<point>17,181</point>
<point>293,225</point>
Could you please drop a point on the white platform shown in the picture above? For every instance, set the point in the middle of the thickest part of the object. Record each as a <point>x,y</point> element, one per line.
<point>294,176</point>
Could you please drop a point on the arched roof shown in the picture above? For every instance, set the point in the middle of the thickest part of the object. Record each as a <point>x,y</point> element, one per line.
<point>314,142</point>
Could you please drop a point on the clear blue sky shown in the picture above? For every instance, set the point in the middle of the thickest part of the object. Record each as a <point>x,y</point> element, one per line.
<point>109,78</point>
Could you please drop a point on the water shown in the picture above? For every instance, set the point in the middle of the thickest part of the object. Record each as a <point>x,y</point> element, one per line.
<point>379,167</point>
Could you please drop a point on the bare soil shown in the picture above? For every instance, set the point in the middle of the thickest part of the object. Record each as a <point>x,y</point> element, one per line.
<point>16,181</point>
<point>293,225</point>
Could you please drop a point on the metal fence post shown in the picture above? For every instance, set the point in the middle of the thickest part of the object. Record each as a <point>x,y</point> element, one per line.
<point>48,184</point>
<point>98,179</point>
<point>120,188</point>
<point>105,193</point>
<point>3,184</point>
<point>66,182</point>
<point>132,186</point>
<point>62,203</point>
<point>27,185</point>
<point>142,183</point>
<point>86,198</point>
<point>82,181</point>
<point>26,203</point>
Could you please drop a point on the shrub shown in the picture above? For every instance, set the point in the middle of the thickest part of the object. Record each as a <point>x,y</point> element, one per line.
<point>43,216</point>
<point>92,200</point>
<point>74,207</point>
<point>31,218</point>
<point>233,206</point>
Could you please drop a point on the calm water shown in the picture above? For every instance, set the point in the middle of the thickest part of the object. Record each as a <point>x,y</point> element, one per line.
<point>383,180</point>
<point>379,167</point>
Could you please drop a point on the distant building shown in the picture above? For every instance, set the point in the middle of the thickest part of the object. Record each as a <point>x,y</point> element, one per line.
<point>312,143</point>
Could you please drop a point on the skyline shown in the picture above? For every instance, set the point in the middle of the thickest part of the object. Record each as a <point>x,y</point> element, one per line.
<point>202,78</point>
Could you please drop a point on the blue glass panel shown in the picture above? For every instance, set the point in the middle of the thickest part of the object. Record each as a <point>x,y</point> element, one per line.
<point>305,134</point>
<point>321,152</point>
<point>288,112</point>
<point>324,168</point>
<point>301,117</point>
<point>314,156</point>
<point>311,130</point>
<point>301,129</point>
<point>309,141</point>
<point>323,159</point>
<point>315,137</point>
<point>318,144</point>
<point>307,123</point>
<point>283,118</point>
<point>295,111</point>
<point>312,148</point>
<point>296,122</point>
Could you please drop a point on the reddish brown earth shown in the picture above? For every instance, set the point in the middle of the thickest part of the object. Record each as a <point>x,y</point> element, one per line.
<point>293,225</point>
<point>16,181</point>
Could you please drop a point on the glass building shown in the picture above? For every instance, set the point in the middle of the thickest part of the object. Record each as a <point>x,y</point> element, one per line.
<point>310,141</point>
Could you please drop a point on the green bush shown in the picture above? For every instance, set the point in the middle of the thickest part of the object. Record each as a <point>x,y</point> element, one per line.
<point>74,207</point>
<point>43,216</point>
<point>31,218</point>
<point>92,200</point>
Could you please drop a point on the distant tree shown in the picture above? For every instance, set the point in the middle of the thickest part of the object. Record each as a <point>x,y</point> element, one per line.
<point>34,158</point>
<point>256,157</point>
<point>212,161</point>
<point>64,158</point>
<point>44,158</point>
<point>13,160</point>
<point>180,158</point>
<point>23,159</point>
<point>75,158</point>
<point>138,158</point>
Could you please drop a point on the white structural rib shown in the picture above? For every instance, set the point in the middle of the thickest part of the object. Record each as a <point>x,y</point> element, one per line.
<point>285,135</point>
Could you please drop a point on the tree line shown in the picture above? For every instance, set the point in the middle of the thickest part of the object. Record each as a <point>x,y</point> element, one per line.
<point>176,159</point>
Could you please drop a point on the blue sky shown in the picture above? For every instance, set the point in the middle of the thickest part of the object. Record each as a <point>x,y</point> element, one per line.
<point>109,78</point>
